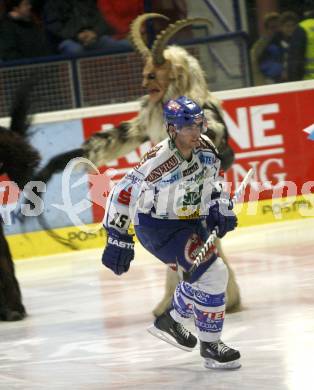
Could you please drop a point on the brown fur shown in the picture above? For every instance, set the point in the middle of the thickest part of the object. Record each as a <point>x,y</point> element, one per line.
<point>18,159</point>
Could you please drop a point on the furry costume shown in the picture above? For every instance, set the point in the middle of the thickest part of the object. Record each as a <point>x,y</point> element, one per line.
<point>18,159</point>
<point>169,72</point>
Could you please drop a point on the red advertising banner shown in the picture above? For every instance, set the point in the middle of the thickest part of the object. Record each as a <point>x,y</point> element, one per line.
<point>266,133</point>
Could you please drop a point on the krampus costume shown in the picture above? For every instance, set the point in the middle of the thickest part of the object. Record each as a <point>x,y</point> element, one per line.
<point>18,159</point>
<point>169,72</point>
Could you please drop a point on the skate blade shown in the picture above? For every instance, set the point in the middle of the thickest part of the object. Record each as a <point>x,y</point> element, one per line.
<point>167,338</point>
<point>214,365</point>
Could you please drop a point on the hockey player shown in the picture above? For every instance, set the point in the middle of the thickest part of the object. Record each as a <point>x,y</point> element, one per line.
<point>169,72</point>
<point>174,198</point>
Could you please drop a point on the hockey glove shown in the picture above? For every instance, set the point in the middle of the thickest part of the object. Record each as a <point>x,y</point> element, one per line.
<point>119,251</point>
<point>221,217</point>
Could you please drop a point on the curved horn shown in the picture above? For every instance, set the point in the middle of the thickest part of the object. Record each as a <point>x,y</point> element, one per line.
<point>135,32</point>
<point>165,35</point>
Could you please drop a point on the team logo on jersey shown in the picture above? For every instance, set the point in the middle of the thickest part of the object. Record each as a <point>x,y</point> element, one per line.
<point>165,167</point>
<point>169,180</point>
<point>125,196</point>
<point>193,198</point>
<point>190,170</point>
<point>193,248</point>
<point>188,205</point>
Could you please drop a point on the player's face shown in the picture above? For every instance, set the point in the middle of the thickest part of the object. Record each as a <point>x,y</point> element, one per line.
<point>156,79</point>
<point>188,138</point>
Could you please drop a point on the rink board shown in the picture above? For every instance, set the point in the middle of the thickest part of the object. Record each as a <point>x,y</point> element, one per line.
<point>250,213</point>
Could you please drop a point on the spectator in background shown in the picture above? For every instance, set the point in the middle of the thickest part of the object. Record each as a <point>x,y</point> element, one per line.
<point>21,36</point>
<point>288,24</point>
<point>271,27</point>
<point>120,14</point>
<point>77,26</point>
<point>301,51</point>
<point>273,60</point>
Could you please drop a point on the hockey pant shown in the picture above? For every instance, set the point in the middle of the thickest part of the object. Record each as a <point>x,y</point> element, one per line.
<point>177,243</point>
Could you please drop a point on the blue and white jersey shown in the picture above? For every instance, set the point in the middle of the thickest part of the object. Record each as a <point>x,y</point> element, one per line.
<point>165,186</point>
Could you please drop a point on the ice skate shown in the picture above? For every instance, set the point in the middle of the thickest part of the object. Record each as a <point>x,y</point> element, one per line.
<point>219,355</point>
<point>174,333</point>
